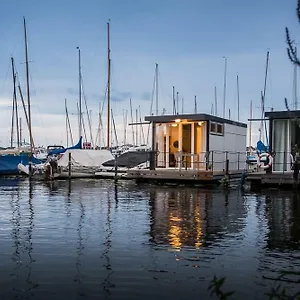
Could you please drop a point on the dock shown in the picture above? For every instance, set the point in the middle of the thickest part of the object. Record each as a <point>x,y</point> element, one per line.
<point>275,179</point>
<point>181,176</point>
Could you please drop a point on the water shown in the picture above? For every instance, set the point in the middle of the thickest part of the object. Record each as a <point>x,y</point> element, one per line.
<point>97,240</point>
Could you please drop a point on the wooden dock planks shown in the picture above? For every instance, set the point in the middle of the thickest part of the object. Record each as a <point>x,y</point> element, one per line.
<point>178,175</point>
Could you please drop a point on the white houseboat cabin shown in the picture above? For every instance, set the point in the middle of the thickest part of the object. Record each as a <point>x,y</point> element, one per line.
<point>197,141</point>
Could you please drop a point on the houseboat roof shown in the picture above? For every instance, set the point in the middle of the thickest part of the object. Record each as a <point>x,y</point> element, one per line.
<point>191,118</point>
<point>286,114</point>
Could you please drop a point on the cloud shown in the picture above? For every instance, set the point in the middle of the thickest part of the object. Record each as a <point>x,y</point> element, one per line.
<point>72,91</point>
<point>118,96</point>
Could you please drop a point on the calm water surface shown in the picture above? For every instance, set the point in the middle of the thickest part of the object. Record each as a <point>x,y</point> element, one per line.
<point>97,240</point>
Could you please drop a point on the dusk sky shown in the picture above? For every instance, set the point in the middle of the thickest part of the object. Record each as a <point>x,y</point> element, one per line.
<point>187,39</point>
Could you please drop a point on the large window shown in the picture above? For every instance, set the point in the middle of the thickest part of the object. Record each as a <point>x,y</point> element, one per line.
<point>217,128</point>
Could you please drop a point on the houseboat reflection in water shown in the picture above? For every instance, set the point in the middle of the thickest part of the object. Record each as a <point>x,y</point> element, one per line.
<point>282,211</point>
<point>194,217</point>
<point>90,238</point>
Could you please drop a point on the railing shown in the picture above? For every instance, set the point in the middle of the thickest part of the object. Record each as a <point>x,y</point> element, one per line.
<point>210,160</point>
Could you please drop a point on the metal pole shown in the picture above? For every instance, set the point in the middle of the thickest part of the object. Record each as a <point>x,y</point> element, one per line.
<point>216,101</point>
<point>224,94</point>
<point>156,78</point>
<point>108,86</point>
<point>28,101</point>
<point>238,97</point>
<point>80,93</point>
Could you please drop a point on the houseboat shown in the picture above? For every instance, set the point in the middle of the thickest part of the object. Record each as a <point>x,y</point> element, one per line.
<point>199,147</point>
<point>284,138</point>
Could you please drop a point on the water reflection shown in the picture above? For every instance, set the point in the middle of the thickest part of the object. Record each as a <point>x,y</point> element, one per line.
<point>90,238</point>
<point>80,247</point>
<point>16,229</point>
<point>194,217</point>
<point>107,283</point>
<point>22,229</point>
<point>283,216</point>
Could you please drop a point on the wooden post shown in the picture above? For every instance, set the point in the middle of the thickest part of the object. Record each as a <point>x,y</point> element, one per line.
<point>69,165</point>
<point>30,165</point>
<point>227,164</point>
<point>116,167</point>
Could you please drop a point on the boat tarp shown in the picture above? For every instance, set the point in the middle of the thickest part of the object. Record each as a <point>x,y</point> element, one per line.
<point>85,157</point>
<point>9,163</point>
<point>129,159</point>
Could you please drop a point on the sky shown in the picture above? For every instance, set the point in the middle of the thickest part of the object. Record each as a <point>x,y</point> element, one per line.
<point>187,39</point>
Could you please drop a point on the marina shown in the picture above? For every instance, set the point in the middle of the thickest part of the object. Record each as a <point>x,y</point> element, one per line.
<point>149,150</point>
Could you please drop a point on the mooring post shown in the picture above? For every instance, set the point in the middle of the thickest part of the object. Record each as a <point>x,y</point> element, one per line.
<point>116,167</point>
<point>30,165</point>
<point>69,165</point>
<point>227,164</point>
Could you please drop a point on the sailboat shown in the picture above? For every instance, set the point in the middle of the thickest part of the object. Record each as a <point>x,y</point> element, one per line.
<point>10,158</point>
<point>253,157</point>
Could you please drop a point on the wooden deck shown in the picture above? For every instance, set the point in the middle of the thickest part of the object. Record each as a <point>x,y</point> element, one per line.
<point>180,176</point>
<point>275,179</point>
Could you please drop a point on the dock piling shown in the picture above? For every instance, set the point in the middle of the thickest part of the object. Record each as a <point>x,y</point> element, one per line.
<point>227,167</point>
<point>116,167</point>
<point>69,166</point>
<point>30,165</point>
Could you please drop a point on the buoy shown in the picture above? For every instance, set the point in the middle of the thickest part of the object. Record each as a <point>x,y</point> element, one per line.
<point>269,158</point>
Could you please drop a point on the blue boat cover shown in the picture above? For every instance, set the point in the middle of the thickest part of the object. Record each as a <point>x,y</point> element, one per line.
<point>9,163</point>
<point>60,151</point>
<point>261,148</point>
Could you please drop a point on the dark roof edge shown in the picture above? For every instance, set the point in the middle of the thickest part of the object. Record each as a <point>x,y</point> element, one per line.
<point>283,114</point>
<point>193,117</point>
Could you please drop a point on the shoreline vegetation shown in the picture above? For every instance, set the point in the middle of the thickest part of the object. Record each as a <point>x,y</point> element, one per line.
<point>278,292</point>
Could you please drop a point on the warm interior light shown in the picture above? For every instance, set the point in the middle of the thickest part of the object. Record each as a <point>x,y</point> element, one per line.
<point>200,123</point>
<point>177,120</point>
<point>174,124</point>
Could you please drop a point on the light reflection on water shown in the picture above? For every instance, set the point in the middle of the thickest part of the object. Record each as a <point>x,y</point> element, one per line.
<point>95,239</point>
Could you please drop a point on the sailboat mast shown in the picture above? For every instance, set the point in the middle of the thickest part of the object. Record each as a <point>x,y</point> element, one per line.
<point>224,91</point>
<point>177,101</point>
<point>137,131</point>
<point>28,89</point>
<point>15,107</point>
<point>295,85</point>
<point>156,80</point>
<point>67,131</point>
<point>131,113</point>
<point>173,96</point>
<point>238,97</point>
<point>263,96</point>
<point>108,85</point>
<point>216,102</point>
<point>20,132</point>
<point>250,125</point>
<point>79,91</point>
